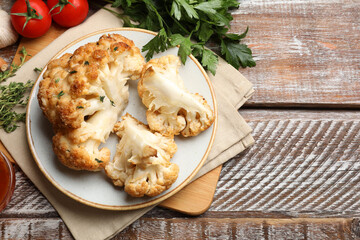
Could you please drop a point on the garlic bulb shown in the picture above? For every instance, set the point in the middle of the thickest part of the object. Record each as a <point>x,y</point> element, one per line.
<point>8,35</point>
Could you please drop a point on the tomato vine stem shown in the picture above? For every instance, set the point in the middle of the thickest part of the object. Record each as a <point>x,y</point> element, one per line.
<point>29,14</point>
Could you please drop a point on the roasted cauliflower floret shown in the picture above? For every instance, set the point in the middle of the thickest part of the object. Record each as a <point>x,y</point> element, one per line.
<point>142,161</point>
<point>84,93</point>
<point>172,110</point>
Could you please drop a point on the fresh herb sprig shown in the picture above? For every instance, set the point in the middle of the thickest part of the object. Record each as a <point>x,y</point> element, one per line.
<point>12,96</point>
<point>189,24</point>
<point>12,70</point>
<point>38,69</point>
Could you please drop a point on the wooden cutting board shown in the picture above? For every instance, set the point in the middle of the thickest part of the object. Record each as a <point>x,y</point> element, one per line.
<point>194,199</point>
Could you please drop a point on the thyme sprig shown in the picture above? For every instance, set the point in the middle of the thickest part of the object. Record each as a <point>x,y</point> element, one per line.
<point>11,97</point>
<point>11,71</point>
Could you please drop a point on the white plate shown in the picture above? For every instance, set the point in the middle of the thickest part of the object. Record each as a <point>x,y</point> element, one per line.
<point>94,188</point>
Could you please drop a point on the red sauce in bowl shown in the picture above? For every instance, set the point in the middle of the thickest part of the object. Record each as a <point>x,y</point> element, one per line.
<point>7,181</point>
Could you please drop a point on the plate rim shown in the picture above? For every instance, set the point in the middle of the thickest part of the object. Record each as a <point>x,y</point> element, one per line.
<point>117,207</point>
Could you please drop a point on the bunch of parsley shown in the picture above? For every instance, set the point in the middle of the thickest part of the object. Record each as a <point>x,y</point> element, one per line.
<point>189,24</point>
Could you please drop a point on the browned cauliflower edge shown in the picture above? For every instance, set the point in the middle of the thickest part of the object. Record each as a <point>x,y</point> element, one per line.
<point>172,109</point>
<point>83,94</point>
<point>142,161</point>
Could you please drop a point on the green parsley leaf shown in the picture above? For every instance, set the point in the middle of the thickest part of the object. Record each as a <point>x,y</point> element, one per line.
<point>115,48</point>
<point>112,103</point>
<point>86,63</point>
<point>79,107</point>
<point>158,44</point>
<point>209,60</point>
<point>220,20</point>
<point>102,98</point>
<point>209,6</point>
<point>175,10</point>
<point>38,69</point>
<point>176,39</point>
<point>237,54</point>
<point>230,4</point>
<point>73,71</point>
<point>185,49</point>
<point>57,80</point>
<point>185,46</point>
<point>190,11</point>
<point>191,25</point>
<point>237,37</point>
<point>116,3</point>
<point>98,160</point>
<point>61,93</point>
<point>205,32</point>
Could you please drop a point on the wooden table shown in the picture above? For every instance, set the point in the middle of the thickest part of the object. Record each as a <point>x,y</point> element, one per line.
<point>301,180</point>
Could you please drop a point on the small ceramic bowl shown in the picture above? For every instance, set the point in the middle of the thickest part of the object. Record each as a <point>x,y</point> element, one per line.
<point>7,170</point>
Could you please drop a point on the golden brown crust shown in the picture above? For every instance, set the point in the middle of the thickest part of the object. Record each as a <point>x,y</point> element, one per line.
<point>78,85</point>
<point>77,157</point>
<point>73,73</point>
<point>164,114</point>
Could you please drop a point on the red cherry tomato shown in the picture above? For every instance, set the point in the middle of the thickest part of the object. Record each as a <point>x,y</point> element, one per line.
<point>68,13</point>
<point>30,18</point>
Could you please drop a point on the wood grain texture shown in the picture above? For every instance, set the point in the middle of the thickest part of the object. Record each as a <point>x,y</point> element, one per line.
<point>305,163</point>
<point>34,228</point>
<point>194,228</point>
<point>307,52</point>
<point>199,228</point>
<point>27,201</point>
<point>195,198</point>
<point>301,166</point>
<point>240,228</point>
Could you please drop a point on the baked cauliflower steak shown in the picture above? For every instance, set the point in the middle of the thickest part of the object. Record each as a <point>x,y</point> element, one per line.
<point>83,94</point>
<point>142,160</point>
<point>172,109</point>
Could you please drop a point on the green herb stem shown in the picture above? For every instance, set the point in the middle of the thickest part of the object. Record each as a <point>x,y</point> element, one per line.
<point>11,72</point>
<point>11,97</point>
<point>191,25</point>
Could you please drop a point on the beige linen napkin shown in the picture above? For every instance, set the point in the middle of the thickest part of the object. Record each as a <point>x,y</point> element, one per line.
<point>84,222</point>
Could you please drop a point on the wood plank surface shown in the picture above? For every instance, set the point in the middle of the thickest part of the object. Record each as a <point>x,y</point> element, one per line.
<point>195,228</point>
<point>307,52</point>
<point>301,179</point>
<point>307,189</point>
<point>195,198</point>
<point>298,166</point>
